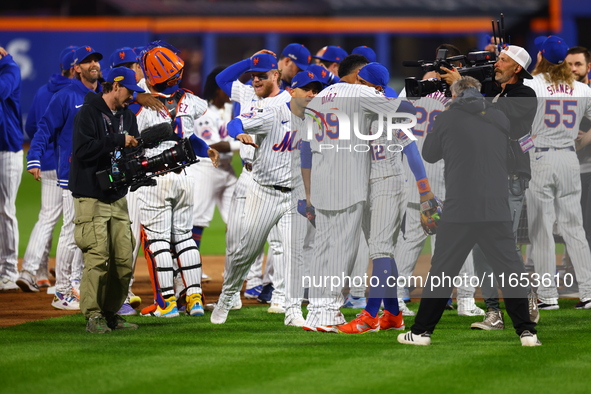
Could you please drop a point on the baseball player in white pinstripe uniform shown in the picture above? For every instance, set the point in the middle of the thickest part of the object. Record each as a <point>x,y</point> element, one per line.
<point>213,186</point>
<point>264,92</point>
<point>337,181</point>
<point>555,188</point>
<point>167,209</point>
<point>384,212</point>
<point>11,162</point>
<point>271,199</point>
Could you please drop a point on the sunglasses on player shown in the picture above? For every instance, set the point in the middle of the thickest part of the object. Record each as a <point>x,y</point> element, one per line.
<point>261,77</point>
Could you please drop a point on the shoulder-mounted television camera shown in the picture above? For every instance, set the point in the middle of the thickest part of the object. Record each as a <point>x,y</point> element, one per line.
<point>479,65</point>
<point>131,168</point>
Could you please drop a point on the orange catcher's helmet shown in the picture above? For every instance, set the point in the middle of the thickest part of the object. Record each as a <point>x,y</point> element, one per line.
<point>162,66</point>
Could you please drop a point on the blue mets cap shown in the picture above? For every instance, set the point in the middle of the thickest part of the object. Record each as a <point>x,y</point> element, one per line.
<point>263,62</point>
<point>299,54</point>
<point>122,55</point>
<point>67,57</point>
<point>124,76</point>
<point>67,62</point>
<point>83,52</point>
<point>304,78</point>
<point>323,75</point>
<point>332,54</point>
<point>553,48</point>
<point>363,50</point>
<point>375,73</point>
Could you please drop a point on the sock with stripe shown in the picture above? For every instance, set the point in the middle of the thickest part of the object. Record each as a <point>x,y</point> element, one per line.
<point>197,233</point>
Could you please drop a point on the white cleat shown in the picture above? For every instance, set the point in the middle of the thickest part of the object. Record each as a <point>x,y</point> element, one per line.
<point>276,308</point>
<point>404,309</point>
<point>219,314</point>
<point>409,338</point>
<point>467,307</point>
<point>8,285</point>
<point>294,320</point>
<point>236,304</point>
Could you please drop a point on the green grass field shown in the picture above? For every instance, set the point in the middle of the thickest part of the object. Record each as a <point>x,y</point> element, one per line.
<point>255,352</point>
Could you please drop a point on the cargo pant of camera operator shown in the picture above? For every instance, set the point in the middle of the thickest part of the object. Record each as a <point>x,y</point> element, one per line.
<point>102,128</point>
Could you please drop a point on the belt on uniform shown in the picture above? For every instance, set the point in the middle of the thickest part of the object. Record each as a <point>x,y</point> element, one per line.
<point>571,148</point>
<point>248,167</point>
<point>282,188</point>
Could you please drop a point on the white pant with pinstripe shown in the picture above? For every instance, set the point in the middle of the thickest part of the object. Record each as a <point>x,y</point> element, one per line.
<point>265,207</point>
<point>335,250</point>
<point>11,165</point>
<point>68,257</point>
<point>555,194</point>
<point>39,245</point>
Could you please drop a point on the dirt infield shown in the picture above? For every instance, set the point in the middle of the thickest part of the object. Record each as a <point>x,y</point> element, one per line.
<point>17,307</point>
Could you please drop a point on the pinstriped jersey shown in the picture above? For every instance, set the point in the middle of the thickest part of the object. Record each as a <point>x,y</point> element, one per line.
<point>427,110</point>
<point>189,108</point>
<point>560,109</point>
<point>249,101</point>
<point>340,158</point>
<point>211,128</point>
<point>386,159</point>
<point>278,136</point>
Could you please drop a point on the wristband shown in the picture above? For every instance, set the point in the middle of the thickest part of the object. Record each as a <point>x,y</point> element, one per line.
<point>423,185</point>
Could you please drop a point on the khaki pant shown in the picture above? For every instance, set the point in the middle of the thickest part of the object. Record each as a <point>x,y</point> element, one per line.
<point>103,233</point>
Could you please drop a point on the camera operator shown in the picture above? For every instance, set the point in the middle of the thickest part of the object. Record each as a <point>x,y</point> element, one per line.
<point>518,102</point>
<point>103,126</point>
<point>412,239</point>
<point>471,138</point>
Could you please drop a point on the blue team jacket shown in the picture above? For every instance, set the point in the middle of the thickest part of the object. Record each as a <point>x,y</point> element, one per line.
<point>40,102</point>
<point>56,127</point>
<point>11,122</point>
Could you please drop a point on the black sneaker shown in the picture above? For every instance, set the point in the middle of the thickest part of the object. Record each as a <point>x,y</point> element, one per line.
<point>547,307</point>
<point>266,294</point>
<point>97,325</point>
<point>583,305</point>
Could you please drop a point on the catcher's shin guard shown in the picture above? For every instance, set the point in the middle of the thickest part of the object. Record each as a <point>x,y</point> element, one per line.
<point>152,269</point>
<point>189,263</point>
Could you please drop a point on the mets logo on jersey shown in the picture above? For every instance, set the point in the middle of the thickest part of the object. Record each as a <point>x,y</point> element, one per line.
<point>249,115</point>
<point>288,143</point>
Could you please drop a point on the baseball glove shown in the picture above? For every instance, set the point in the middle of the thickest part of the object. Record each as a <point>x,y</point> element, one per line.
<point>430,214</point>
<point>308,212</point>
